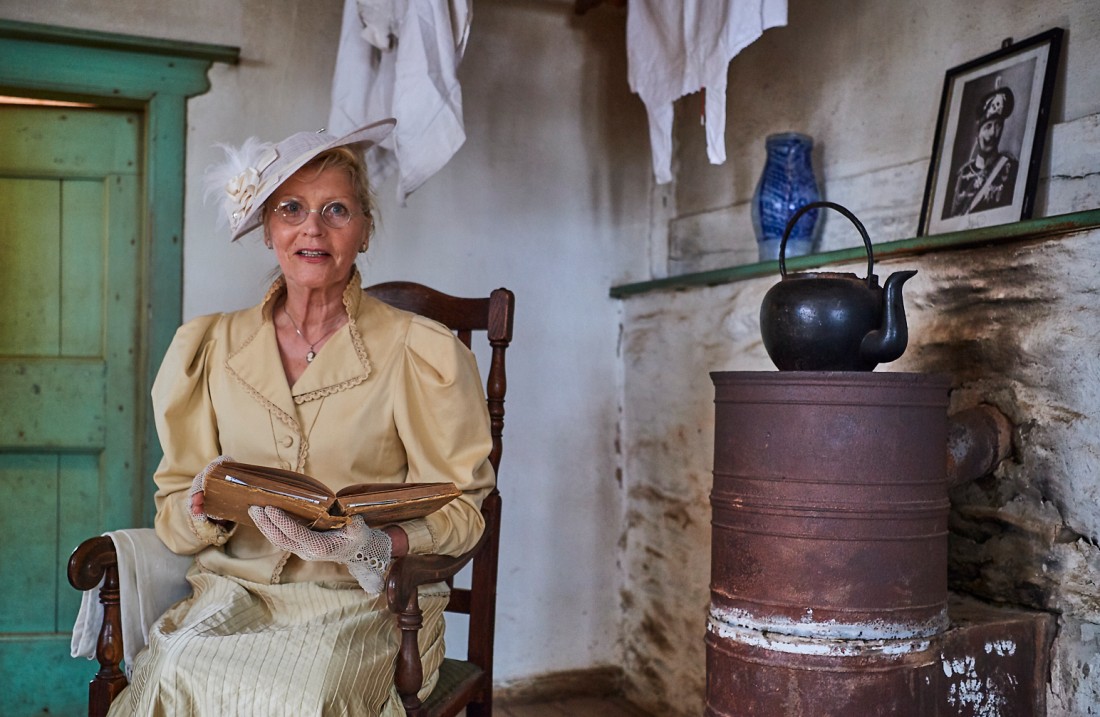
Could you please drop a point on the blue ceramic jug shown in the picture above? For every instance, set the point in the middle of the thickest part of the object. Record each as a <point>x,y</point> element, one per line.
<point>786,185</point>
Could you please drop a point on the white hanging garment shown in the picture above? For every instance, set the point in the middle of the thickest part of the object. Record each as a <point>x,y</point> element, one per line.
<point>398,58</point>
<point>676,47</point>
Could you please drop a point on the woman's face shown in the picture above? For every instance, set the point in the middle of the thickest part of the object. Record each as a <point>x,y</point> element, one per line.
<point>314,255</point>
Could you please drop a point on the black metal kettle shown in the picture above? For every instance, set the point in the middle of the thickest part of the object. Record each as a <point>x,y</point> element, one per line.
<point>832,321</point>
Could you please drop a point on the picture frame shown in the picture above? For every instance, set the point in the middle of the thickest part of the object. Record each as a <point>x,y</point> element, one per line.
<point>990,135</point>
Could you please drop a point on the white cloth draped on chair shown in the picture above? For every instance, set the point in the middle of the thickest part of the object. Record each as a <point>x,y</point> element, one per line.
<point>151,579</point>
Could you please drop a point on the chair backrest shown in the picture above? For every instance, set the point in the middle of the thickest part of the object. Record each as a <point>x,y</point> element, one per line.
<point>493,315</point>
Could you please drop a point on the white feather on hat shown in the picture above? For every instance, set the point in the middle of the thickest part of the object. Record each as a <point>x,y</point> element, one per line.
<point>237,181</point>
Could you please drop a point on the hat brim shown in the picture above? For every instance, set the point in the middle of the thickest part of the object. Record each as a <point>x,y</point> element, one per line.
<point>297,151</point>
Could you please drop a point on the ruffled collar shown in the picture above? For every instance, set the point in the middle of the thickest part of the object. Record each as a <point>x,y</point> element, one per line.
<point>353,295</point>
<point>256,365</point>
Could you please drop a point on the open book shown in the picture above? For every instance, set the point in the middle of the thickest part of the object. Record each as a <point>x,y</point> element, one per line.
<point>232,487</point>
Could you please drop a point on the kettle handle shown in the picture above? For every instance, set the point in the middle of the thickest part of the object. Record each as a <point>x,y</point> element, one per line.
<point>831,205</point>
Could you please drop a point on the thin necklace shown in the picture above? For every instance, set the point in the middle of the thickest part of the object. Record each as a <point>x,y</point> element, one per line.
<point>311,354</point>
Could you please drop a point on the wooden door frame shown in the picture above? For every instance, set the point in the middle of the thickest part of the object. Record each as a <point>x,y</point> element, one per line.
<point>155,77</point>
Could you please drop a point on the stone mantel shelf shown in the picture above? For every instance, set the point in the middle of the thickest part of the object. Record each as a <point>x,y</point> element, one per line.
<point>1030,229</point>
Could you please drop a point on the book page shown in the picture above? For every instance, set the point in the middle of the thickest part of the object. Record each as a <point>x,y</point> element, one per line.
<point>263,475</point>
<point>380,504</point>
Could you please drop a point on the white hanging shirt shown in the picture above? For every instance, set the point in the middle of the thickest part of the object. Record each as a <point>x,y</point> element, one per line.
<point>676,47</point>
<point>398,58</point>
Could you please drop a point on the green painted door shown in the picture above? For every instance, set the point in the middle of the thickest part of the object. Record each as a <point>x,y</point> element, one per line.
<point>70,228</point>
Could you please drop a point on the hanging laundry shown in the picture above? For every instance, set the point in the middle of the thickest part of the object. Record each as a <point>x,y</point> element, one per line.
<point>676,47</point>
<point>398,58</point>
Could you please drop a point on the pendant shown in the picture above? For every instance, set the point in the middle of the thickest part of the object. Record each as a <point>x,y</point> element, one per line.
<point>310,356</point>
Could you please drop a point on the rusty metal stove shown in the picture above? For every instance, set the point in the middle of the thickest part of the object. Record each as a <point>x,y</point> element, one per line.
<point>829,558</point>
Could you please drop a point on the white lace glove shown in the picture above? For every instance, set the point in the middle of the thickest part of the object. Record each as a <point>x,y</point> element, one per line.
<point>199,484</point>
<point>206,528</point>
<point>365,551</point>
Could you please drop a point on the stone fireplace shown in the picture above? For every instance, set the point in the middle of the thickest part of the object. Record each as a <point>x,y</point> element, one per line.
<point>1015,324</point>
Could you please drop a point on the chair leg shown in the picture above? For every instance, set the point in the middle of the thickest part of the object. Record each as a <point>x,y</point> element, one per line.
<point>93,561</point>
<point>480,709</point>
<point>110,680</point>
<point>409,675</point>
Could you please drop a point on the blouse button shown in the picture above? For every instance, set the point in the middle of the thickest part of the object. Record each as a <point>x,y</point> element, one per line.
<point>288,441</point>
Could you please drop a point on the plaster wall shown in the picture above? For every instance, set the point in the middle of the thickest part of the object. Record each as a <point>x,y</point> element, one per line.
<point>548,197</point>
<point>1013,324</point>
<point>863,78</point>
<point>1008,324</point>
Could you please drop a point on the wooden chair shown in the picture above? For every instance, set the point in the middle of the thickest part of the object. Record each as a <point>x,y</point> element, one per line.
<point>463,684</point>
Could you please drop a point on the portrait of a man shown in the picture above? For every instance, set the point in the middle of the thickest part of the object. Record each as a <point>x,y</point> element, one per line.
<point>988,179</point>
<point>989,137</point>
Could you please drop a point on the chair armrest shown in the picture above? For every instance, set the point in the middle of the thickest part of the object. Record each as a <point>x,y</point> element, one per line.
<point>407,573</point>
<point>90,561</point>
<point>93,561</point>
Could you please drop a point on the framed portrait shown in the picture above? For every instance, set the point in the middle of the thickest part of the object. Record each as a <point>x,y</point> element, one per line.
<point>989,137</point>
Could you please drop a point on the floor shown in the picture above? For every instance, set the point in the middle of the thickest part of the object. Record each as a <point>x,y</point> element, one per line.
<point>574,707</point>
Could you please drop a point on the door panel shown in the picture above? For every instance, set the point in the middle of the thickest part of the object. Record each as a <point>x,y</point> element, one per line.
<point>70,300</point>
<point>30,482</point>
<point>28,280</point>
<point>41,683</point>
<point>66,398</point>
<point>81,288</point>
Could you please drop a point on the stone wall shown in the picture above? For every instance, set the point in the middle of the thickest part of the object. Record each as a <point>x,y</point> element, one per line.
<point>1012,324</point>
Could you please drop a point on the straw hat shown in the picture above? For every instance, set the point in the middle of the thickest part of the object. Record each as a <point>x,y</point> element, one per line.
<point>252,172</point>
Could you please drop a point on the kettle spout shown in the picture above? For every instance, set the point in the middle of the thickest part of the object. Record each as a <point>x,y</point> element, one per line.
<point>887,343</point>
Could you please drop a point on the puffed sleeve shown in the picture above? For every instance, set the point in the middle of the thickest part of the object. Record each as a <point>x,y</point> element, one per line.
<point>187,428</point>
<point>443,422</point>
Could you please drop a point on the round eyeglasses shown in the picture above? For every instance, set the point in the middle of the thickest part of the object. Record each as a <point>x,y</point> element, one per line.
<point>334,214</point>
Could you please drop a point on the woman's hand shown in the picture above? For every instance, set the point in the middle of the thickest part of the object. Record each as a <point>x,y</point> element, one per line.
<point>198,498</point>
<point>365,551</point>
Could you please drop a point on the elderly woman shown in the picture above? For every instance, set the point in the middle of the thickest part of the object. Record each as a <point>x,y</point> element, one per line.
<point>322,379</point>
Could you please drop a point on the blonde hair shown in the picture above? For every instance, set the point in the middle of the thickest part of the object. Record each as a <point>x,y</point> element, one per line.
<point>351,162</point>
<point>356,167</point>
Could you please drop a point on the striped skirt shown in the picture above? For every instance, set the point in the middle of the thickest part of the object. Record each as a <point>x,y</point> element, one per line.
<point>296,649</point>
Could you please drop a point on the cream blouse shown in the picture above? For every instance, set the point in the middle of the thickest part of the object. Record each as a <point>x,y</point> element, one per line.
<point>391,397</point>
